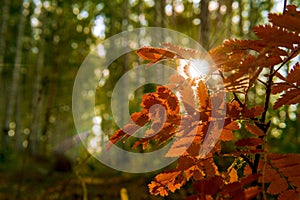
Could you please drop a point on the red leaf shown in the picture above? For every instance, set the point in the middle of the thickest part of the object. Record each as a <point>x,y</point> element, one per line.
<point>149,100</point>
<point>277,186</point>
<point>227,134</point>
<point>118,135</point>
<point>288,195</point>
<point>211,168</point>
<point>249,142</point>
<point>209,186</point>
<point>164,182</point>
<point>290,97</point>
<point>253,112</point>
<point>280,87</point>
<point>140,118</point>
<point>185,53</point>
<point>249,179</point>
<point>277,36</point>
<point>203,96</point>
<point>234,190</point>
<point>280,76</point>
<point>188,98</point>
<point>185,162</point>
<point>233,109</point>
<point>254,130</point>
<point>290,19</point>
<point>252,192</point>
<point>294,75</point>
<point>155,54</point>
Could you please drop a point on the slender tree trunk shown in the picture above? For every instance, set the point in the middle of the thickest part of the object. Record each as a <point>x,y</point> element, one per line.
<point>124,95</point>
<point>37,100</point>
<point>3,33</point>
<point>205,23</point>
<point>228,21</point>
<point>241,22</point>
<point>13,90</point>
<point>112,28</point>
<point>253,17</point>
<point>159,22</point>
<point>51,96</point>
<point>18,139</point>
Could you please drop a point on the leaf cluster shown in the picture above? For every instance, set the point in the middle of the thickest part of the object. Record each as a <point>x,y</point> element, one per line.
<point>186,118</point>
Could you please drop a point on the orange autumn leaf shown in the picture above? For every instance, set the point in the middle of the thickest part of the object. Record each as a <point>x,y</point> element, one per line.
<point>155,54</point>
<point>254,130</point>
<point>185,115</point>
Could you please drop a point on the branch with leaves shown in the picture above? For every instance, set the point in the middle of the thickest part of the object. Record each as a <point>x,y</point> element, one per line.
<point>254,171</point>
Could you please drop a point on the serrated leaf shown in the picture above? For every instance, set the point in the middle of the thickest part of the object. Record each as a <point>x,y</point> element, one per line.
<point>277,186</point>
<point>281,171</point>
<point>227,134</point>
<point>252,192</point>
<point>187,97</point>
<point>288,20</point>
<point>294,75</point>
<point>209,186</point>
<point>288,195</point>
<point>253,112</point>
<point>203,96</point>
<point>155,54</point>
<point>290,97</point>
<point>277,36</point>
<point>233,109</point>
<point>249,142</point>
<point>233,176</point>
<point>164,182</point>
<point>186,53</point>
<point>254,130</point>
<point>280,87</point>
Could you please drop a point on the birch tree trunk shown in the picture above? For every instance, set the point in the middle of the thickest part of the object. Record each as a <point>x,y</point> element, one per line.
<point>13,90</point>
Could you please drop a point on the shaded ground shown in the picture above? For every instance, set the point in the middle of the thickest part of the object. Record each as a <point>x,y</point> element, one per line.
<point>29,179</point>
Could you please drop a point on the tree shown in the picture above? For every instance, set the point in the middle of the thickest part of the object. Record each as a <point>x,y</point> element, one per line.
<point>240,164</point>
<point>3,33</point>
<point>13,93</point>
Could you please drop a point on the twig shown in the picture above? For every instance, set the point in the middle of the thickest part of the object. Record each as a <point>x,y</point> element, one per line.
<point>238,100</point>
<point>262,82</point>
<point>75,170</point>
<point>268,94</point>
<point>295,51</point>
<point>284,6</point>
<point>83,185</point>
<point>248,161</point>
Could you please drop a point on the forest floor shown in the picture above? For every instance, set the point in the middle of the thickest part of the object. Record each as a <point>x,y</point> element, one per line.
<point>35,179</point>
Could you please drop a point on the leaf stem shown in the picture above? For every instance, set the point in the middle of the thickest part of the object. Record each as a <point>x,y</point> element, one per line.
<point>268,94</point>
<point>293,53</point>
<point>238,100</point>
<point>265,125</point>
<point>284,5</point>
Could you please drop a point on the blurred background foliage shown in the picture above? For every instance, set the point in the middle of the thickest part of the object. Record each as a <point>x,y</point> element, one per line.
<point>42,45</point>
